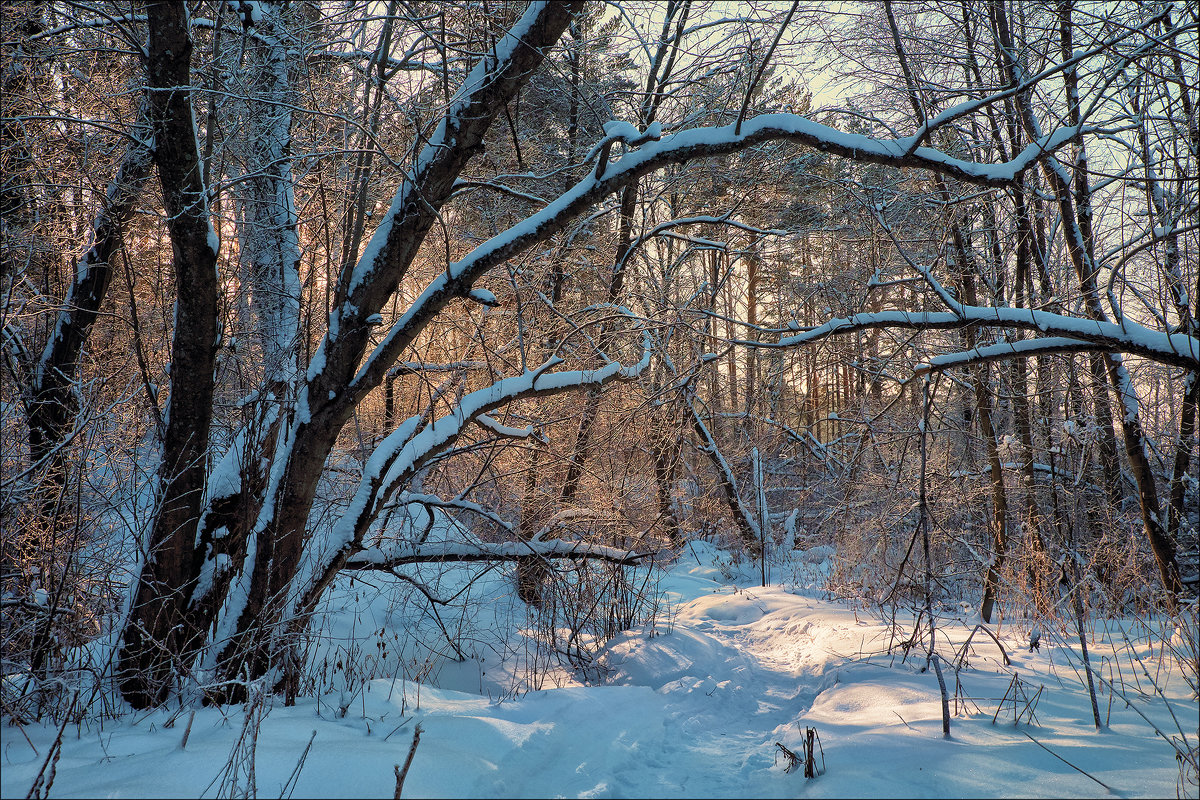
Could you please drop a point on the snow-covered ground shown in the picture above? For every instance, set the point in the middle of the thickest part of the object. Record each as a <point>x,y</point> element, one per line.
<point>693,707</point>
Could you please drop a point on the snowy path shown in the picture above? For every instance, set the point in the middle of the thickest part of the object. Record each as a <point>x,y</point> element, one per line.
<point>732,679</point>
<point>695,712</point>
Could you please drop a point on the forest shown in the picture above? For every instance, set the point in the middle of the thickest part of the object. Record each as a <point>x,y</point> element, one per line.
<point>356,345</point>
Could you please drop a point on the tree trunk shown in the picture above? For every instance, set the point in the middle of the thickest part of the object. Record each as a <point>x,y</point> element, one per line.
<point>54,407</point>
<point>156,638</point>
<point>1183,454</point>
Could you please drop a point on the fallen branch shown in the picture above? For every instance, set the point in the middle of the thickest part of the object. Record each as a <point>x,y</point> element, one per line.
<point>937,669</point>
<point>454,552</point>
<point>789,756</point>
<point>291,781</point>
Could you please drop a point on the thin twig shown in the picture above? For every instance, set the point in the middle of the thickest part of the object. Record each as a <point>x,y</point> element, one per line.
<point>188,730</point>
<point>45,777</point>
<point>294,777</point>
<point>402,773</point>
<point>937,669</point>
<point>1068,763</point>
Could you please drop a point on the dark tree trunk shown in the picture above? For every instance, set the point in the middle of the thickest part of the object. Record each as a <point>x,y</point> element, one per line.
<point>157,640</point>
<point>587,419</point>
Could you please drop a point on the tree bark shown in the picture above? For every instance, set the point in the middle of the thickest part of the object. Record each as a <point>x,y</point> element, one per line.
<point>1183,454</point>
<point>54,406</point>
<point>157,640</point>
<point>583,437</point>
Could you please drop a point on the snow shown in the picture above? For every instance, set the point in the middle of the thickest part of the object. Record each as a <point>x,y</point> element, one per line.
<point>483,297</point>
<point>679,147</point>
<point>501,429</point>
<point>403,451</point>
<point>250,10</point>
<point>451,550</point>
<point>691,708</point>
<point>695,143</point>
<point>620,130</point>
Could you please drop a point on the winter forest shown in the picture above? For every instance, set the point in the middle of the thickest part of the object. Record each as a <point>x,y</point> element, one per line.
<point>676,398</point>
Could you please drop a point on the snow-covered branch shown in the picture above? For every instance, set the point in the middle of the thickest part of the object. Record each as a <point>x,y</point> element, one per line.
<point>678,148</point>
<point>444,552</point>
<point>402,454</point>
<point>364,288</point>
<point>507,431</point>
<point>1003,351</point>
<point>1177,349</point>
<point>52,396</point>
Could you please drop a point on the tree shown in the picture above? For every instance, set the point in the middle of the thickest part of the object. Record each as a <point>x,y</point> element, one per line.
<point>984,131</point>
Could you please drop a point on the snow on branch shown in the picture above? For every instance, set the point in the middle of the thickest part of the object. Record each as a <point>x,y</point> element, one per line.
<point>678,148</point>
<point>623,132</point>
<point>500,429</point>
<point>457,124</point>
<point>1176,349</point>
<point>364,288</point>
<point>93,272</point>
<point>562,518</point>
<point>443,552</point>
<point>1002,351</point>
<point>1044,470</point>
<point>1029,81</point>
<point>666,229</point>
<point>462,186</point>
<point>748,527</point>
<point>457,503</point>
<point>389,466</point>
<point>417,367</point>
